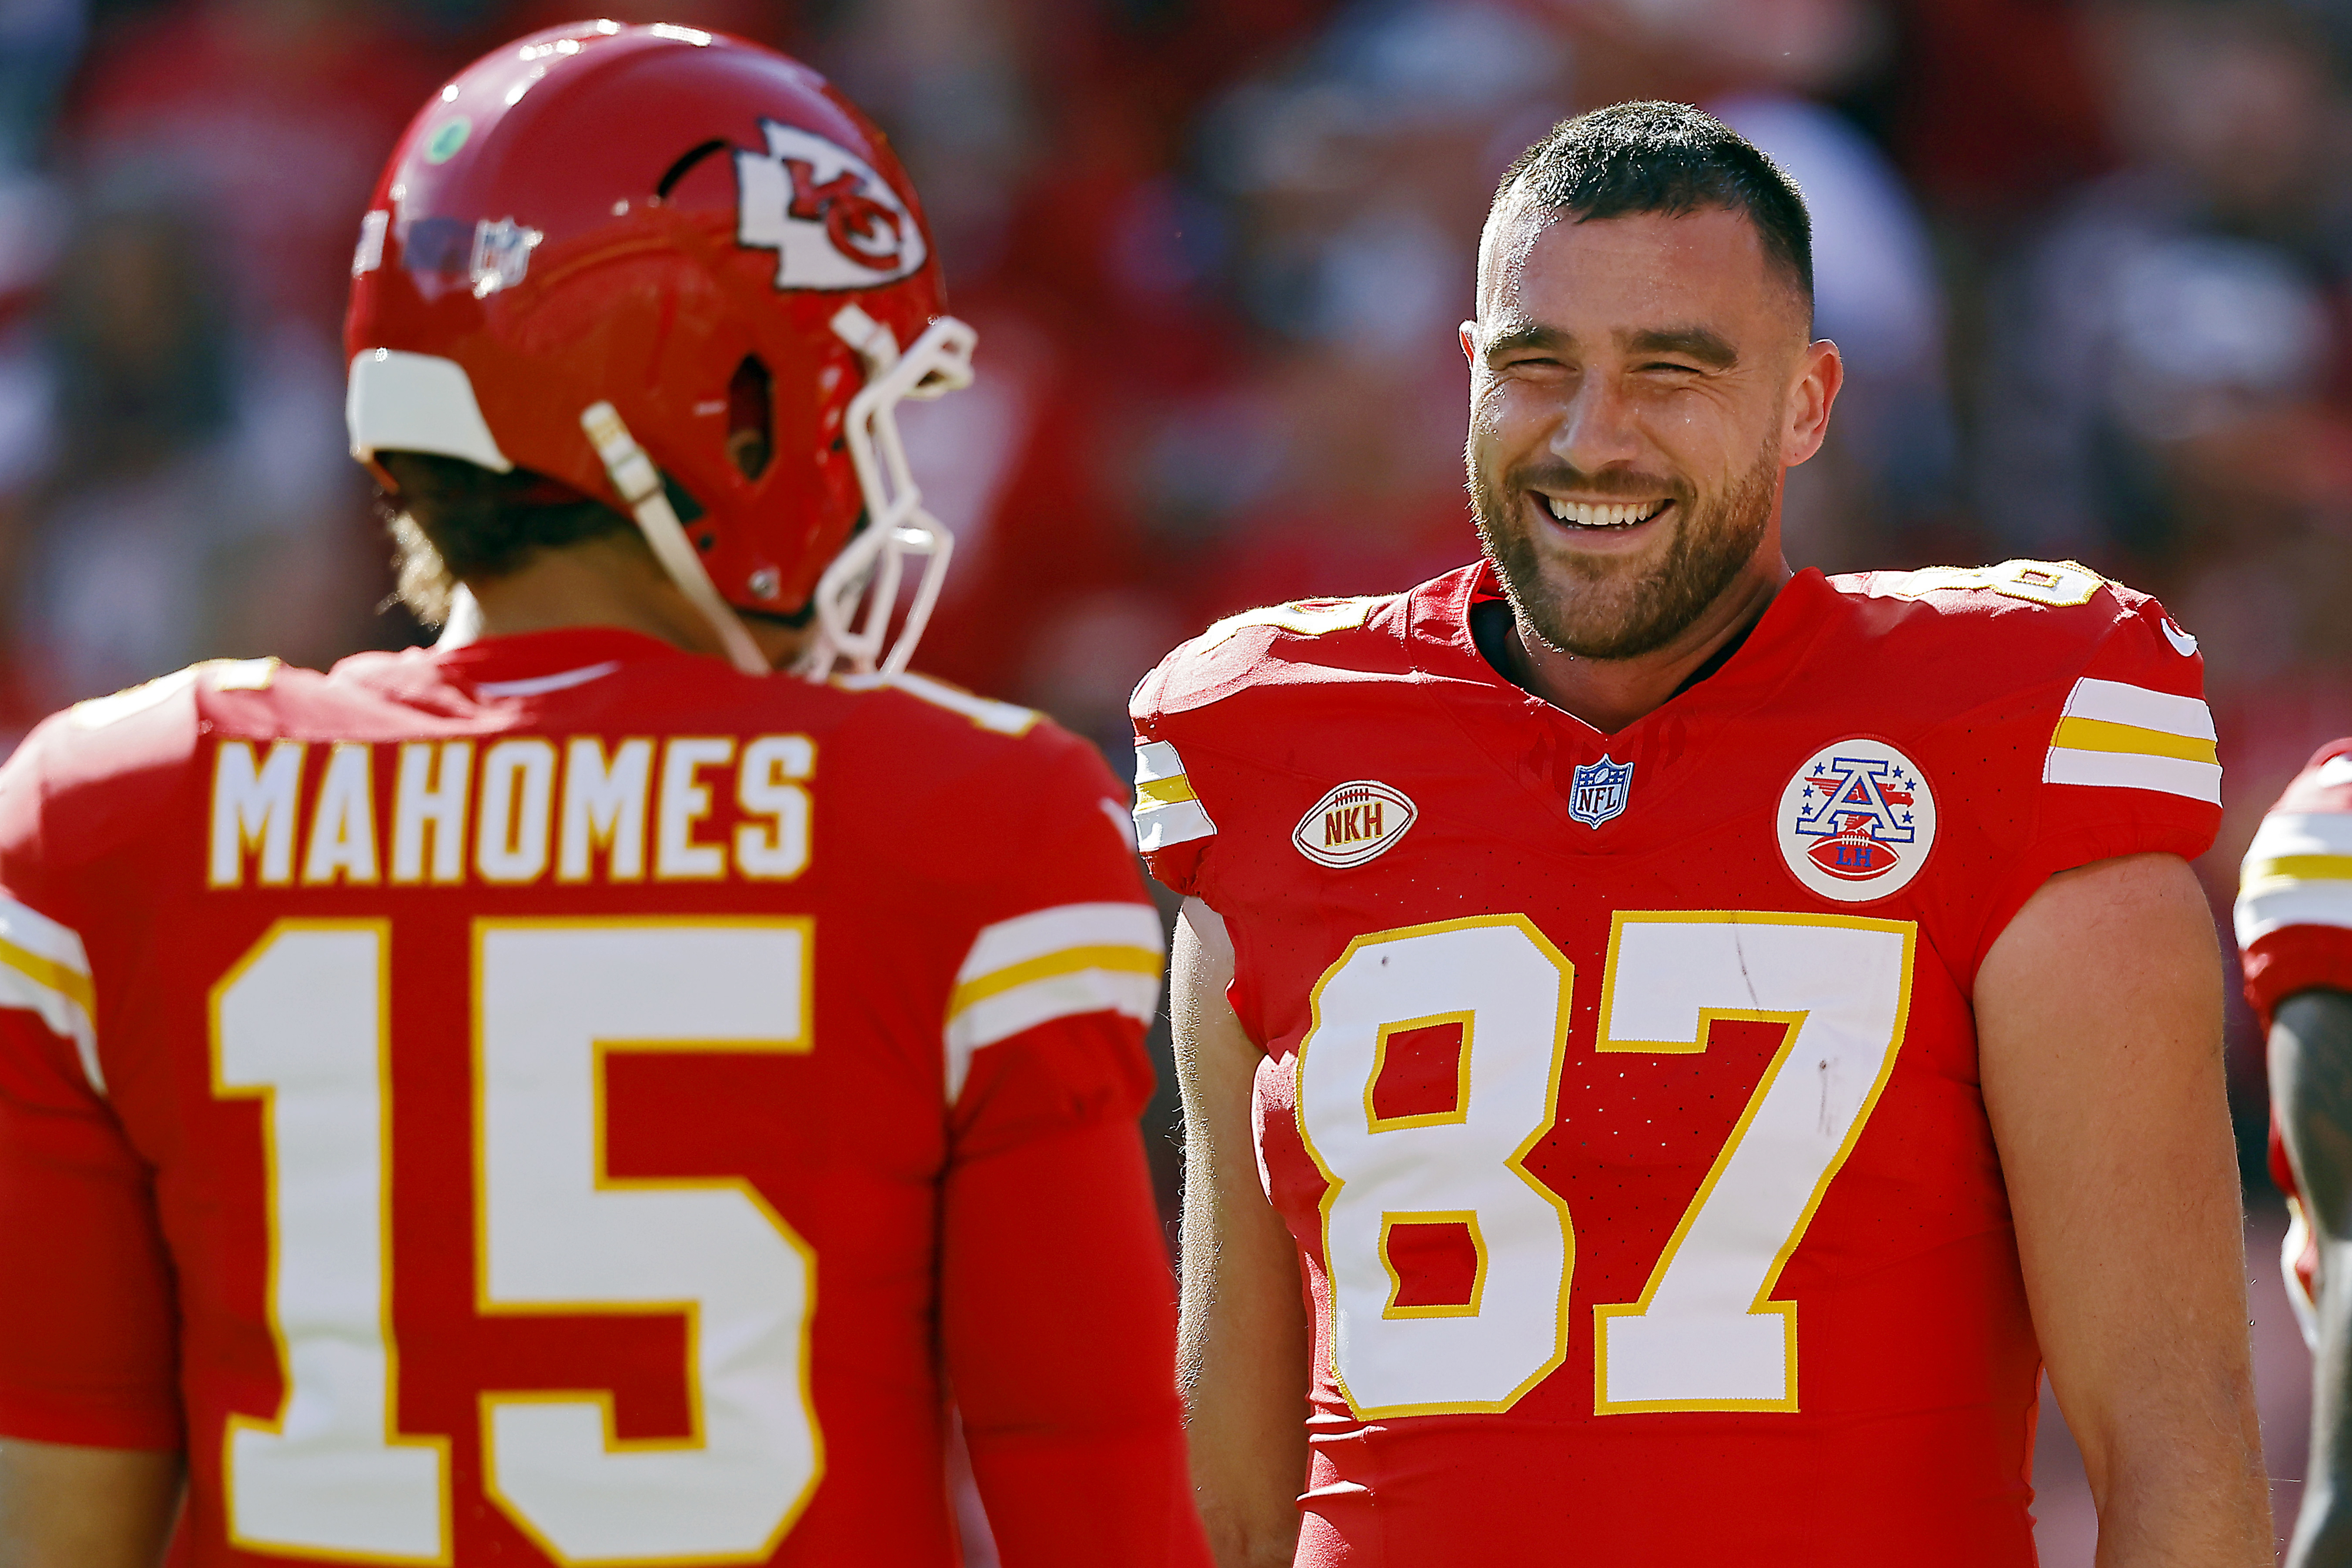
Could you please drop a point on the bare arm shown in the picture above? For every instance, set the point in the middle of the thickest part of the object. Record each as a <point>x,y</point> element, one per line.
<point>1242,1344</point>
<point>64,1506</point>
<point>2099,1028</point>
<point>2311,1089</point>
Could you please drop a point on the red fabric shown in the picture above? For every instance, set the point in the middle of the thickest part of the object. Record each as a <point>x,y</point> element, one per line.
<point>1004,1244</point>
<point>1916,1361</point>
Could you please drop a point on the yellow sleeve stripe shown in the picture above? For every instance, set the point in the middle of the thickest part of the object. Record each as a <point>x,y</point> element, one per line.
<point>71,983</point>
<point>2104,735</point>
<point>1149,792</point>
<point>1119,960</point>
<point>45,969</point>
<point>2299,868</point>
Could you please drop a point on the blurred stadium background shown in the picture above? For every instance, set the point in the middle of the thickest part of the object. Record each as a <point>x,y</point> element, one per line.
<point>2091,265</point>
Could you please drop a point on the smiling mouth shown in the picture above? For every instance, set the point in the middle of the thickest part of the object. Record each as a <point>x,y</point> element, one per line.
<point>1601,515</point>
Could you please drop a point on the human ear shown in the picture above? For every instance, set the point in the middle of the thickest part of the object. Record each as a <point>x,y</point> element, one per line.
<point>1820,373</point>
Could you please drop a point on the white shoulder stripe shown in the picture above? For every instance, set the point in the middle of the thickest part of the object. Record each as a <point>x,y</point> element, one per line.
<point>1073,995</point>
<point>1166,810</point>
<point>35,933</point>
<point>2115,702</point>
<point>45,968</point>
<point>2301,834</point>
<point>2134,770</point>
<point>2274,906</point>
<point>1064,926</point>
<point>1064,962</point>
<point>1179,823</point>
<point>1156,760</point>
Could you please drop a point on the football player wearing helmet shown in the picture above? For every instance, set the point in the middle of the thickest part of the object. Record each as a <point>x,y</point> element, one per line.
<point>1709,1035</point>
<point>555,1097</point>
<point>2294,933</point>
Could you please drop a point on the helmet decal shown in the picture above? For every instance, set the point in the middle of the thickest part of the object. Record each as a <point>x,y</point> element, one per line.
<point>832,222</point>
<point>501,255</point>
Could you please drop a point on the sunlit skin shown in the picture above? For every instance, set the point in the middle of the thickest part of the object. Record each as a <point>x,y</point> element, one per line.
<point>1646,360</point>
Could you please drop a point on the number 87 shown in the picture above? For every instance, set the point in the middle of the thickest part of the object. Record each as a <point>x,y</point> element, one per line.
<point>1705,1335</point>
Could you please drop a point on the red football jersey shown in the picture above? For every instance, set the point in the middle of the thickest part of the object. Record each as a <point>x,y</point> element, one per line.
<point>557,1100</point>
<point>1621,1089</point>
<point>2294,932</point>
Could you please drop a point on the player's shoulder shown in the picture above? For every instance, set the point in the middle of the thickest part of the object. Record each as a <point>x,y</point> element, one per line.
<point>1307,643</point>
<point>2021,613</point>
<point>2026,634</point>
<point>89,778</point>
<point>920,737</point>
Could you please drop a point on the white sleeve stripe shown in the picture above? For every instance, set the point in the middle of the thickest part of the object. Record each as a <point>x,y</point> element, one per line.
<point>2134,770</point>
<point>2275,905</point>
<point>2301,833</point>
<point>56,950</point>
<point>1073,995</point>
<point>1156,760</point>
<point>2119,703</point>
<point>37,934</point>
<point>1048,931</point>
<point>64,1015</point>
<point>1157,826</point>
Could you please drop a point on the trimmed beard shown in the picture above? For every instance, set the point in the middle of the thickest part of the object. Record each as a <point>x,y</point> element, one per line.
<point>1611,610</point>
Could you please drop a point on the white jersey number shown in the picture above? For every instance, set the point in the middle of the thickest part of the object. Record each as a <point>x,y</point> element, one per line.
<point>301,1023</point>
<point>1705,1335</point>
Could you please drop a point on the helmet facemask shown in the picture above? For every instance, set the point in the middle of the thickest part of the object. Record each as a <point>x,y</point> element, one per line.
<point>858,593</point>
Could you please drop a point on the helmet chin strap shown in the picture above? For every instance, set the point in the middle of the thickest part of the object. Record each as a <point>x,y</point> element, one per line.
<point>870,569</point>
<point>640,484</point>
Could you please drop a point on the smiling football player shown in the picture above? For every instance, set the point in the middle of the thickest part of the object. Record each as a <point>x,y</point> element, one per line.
<point>1710,1035</point>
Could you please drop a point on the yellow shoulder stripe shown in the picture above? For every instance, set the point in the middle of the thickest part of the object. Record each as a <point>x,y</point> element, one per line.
<point>71,983</point>
<point>1068,961</point>
<point>2105,735</point>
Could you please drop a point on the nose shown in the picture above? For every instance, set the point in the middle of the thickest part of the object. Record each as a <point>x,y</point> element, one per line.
<point>1596,427</point>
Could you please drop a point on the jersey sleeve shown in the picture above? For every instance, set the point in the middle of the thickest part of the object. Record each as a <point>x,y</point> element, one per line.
<point>1044,1025</point>
<point>2127,760</point>
<point>2293,913</point>
<point>1174,830</point>
<point>1056,1312</point>
<point>87,1334</point>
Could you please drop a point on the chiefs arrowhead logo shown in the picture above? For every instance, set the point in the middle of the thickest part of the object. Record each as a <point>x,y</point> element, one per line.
<point>832,222</point>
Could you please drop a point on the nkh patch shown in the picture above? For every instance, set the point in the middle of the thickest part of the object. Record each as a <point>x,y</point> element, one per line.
<point>1599,790</point>
<point>1354,822</point>
<point>1858,822</point>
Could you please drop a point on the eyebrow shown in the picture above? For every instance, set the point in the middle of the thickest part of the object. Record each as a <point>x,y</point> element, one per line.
<point>1701,343</point>
<point>1709,348</point>
<point>1532,336</point>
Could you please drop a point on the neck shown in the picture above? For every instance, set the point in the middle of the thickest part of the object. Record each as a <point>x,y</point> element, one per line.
<point>1611,694</point>
<point>611,581</point>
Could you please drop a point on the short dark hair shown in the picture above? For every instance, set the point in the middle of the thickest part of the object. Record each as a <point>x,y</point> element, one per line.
<point>453,521</point>
<point>1656,157</point>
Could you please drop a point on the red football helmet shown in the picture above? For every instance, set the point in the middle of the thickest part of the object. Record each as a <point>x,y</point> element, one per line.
<point>680,271</point>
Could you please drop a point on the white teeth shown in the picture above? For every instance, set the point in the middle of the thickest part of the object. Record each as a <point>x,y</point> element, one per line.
<point>1587,515</point>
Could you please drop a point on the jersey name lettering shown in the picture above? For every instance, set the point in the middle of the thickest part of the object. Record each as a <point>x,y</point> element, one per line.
<point>509,810</point>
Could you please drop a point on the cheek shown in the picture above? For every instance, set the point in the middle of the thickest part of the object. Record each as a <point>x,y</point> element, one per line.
<point>1699,434</point>
<point>1505,417</point>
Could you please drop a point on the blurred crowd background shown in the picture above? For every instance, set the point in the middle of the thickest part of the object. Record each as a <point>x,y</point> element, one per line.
<point>2090,264</point>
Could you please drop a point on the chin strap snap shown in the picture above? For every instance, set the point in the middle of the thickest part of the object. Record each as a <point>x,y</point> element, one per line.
<point>640,484</point>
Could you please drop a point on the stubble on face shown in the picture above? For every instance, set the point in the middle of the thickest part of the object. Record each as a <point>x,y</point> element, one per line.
<point>1615,607</point>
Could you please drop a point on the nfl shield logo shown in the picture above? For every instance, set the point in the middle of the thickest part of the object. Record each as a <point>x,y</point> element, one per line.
<point>1598,791</point>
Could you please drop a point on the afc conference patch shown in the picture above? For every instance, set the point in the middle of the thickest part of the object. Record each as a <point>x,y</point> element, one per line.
<point>1599,790</point>
<point>1858,822</point>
